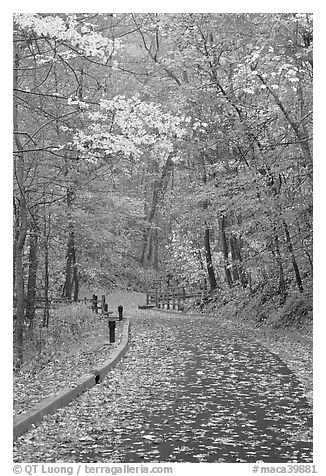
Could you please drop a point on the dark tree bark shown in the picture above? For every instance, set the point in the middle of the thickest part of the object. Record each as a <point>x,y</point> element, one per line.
<point>277,254</point>
<point>21,230</point>
<point>225,250</point>
<point>209,262</point>
<point>32,273</point>
<point>46,315</point>
<point>207,233</point>
<point>239,273</point>
<point>71,286</point>
<point>235,257</point>
<point>293,259</point>
<point>70,266</point>
<point>75,279</point>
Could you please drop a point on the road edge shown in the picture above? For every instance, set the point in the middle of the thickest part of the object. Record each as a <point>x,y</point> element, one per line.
<point>35,415</point>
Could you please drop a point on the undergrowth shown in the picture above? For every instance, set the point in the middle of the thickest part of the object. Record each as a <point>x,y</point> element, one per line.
<point>262,306</point>
<point>68,327</point>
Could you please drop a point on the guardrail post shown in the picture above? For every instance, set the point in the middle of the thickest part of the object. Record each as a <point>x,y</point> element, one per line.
<point>147,299</point>
<point>120,312</point>
<point>94,304</point>
<point>173,298</point>
<point>178,300</point>
<point>103,304</point>
<point>112,331</point>
<point>156,298</point>
<point>168,298</point>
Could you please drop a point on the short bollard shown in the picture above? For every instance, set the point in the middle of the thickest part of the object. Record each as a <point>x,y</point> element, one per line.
<point>94,304</point>
<point>120,312</point>
<point>112,331</point>
<point>103,304</point>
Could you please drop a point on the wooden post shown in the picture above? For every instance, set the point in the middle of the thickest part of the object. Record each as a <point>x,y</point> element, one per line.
<point>94,303</point>
<point>173,298</point>
<point>168,298</point>
<point>156,298</point>
<point>147,298</point>
<point>106,309</point>
<point>112,331</point>
<point>178,300</point>
<point>120,312</point>
<point>183,298</point>
<point>103,304</point>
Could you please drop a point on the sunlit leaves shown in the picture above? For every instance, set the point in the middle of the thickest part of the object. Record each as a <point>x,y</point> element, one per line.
<point>126,126</point>
<point>55,27</point>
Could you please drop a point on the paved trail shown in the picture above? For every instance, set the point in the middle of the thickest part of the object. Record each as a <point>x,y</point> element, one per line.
<point>189,389</point>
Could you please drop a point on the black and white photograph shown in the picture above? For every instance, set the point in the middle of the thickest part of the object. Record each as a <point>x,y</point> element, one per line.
<point>162,198</point>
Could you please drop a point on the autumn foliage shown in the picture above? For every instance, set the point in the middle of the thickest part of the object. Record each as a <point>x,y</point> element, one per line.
<point>154,145</point>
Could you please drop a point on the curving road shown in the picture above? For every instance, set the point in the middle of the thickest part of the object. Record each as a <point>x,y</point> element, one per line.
<point>190,389</point>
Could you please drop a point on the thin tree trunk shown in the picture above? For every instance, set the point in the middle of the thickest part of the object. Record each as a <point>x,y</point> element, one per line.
<point>202,267</point>
<point>281,286</point>
<point>16,237</point>
<point>75,279</point>
<point>71,281</point>
<point>32,274</point>
<point>69,264</point>
<point>293,259</point>
<point>46,315</point>
<point>207,235</point>
<point>21,233</point>
<point>236,245</point>
<point>234,255</point>
<point>225,251</point>
<point>209,261</point>
<point>301,135</point>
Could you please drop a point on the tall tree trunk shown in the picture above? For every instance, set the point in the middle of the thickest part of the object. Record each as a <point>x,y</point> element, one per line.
<point>236,245</point>
<point>209,261</point>
<point>71,281</point>
<point>32,274</point>
<point>225,250</point>
<point>151,242</point>
<point>22,230</point>
<point>75,278</point>
<point>69,266</point>
<point>46,314</point>
<point>293,259</point>
<point>202,266</point>
<point>16,237</point>
<point>234,255</point>
<point>281,285</point>
<point>207,234</point>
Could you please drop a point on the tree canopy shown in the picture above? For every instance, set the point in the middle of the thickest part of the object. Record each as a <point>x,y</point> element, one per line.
<point>154,145</point>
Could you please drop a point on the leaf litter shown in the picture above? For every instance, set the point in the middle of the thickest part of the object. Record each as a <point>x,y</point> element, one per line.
<point>216,395</point>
